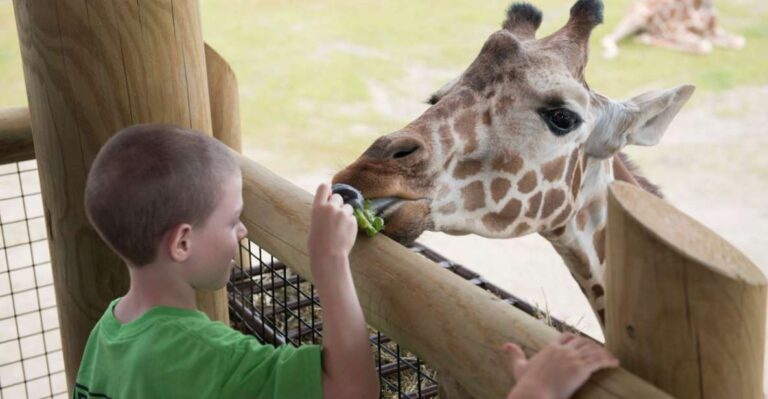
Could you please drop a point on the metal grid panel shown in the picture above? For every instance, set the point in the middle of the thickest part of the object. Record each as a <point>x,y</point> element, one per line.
<point>277,306</point>
<point>266,299</point>
<point>31,361</point>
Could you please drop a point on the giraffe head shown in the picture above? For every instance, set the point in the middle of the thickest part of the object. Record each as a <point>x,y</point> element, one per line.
<point>499,152</point>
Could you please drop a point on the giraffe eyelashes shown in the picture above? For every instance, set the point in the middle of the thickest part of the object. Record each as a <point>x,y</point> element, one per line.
<point>560,121</point>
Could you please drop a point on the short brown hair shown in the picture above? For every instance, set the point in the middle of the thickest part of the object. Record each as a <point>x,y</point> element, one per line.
<point>149,178</point>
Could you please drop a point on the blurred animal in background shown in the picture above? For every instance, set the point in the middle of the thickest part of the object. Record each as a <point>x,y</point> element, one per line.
<point>685,25</point>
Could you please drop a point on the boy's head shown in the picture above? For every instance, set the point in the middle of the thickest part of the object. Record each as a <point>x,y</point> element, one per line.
<point>162,190</point>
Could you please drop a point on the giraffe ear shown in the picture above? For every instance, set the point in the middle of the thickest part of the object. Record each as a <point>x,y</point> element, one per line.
<point>641,120</point>
<point>436,96</point>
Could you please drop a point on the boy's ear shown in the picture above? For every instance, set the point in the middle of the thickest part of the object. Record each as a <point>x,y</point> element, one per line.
<point>178,243</point>
<point>641,120</point>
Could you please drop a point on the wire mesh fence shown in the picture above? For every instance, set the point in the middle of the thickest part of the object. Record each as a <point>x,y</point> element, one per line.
<point>277,306</point>
<point>31,361</point>
<point>266,300</point>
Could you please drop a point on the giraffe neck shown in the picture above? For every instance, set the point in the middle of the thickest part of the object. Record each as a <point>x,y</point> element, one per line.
<point>581,243</point>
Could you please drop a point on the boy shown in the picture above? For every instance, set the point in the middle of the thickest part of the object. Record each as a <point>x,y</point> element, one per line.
<point>168,201</point>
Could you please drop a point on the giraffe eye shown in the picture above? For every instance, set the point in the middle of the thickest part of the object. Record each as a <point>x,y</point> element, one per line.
<point>560,120</point>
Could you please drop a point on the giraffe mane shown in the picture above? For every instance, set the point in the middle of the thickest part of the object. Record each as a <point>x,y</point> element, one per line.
<point>641,180</point>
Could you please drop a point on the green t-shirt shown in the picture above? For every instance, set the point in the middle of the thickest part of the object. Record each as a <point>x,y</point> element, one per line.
<point>180,353</point>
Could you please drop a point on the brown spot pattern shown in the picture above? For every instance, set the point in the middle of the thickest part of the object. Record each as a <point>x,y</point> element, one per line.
<point>522,228</point>
<point>468,168</point>
<point>553,170</point>
<point>443,191</point>
<point>576,183</point>
<point>499,188</point>
<point>508,162</point>
<point>588,209</point>
<point>446,139</point>
<point>572,165</point>
<point>578,262</point>
<point>559,231</point>
<point>504,104</point>
<point>597,291</point>
<point>599,241</point>
<point>581,219</point>
<point>474,196</point>
<point>467,98</point>
<point>498,221</point>
<point>562,216</point>
<point>527,183</point>
<point>533,205</point>
<point>466,128</point>
<point>552,200</point>
<point>447,162</point>
<point>448,209</point>
<point>487,117</point>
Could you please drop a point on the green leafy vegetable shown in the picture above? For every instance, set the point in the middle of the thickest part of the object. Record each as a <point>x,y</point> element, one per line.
<point>368,221</point>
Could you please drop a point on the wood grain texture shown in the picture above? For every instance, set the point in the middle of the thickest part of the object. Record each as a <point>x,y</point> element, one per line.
<point>454,326</point>
<point>92,68</point>
<point>685,309</point>
<point>225,122</point>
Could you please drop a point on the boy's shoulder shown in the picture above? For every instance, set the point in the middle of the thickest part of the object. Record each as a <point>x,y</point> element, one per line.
<point>161,324</point>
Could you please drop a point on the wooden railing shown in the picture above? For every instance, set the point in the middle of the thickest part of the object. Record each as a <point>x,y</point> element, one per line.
<point>685,310</point>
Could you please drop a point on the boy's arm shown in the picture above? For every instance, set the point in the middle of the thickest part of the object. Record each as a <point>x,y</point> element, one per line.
<point>348,367</point>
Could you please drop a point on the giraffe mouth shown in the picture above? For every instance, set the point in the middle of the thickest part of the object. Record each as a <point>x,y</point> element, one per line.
<point>386,206</point>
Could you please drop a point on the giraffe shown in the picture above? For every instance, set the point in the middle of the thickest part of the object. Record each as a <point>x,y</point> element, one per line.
<point>685,25</point>
<point>518,144</point>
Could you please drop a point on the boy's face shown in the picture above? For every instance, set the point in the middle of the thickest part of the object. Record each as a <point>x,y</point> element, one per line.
<point>215,244</point>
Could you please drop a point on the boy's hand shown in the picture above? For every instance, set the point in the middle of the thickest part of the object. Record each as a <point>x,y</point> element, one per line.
<point>559,369</point>
<point>333,229</point>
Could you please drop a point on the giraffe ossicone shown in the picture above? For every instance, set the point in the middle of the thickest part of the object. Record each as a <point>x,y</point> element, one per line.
<point>518,144</point>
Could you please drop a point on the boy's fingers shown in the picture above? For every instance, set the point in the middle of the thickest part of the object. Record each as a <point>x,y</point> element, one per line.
<point>581,343</point>
<point>597,353</point>
<point>601,361</point>
<point>347,209</point>
<point>564,338</point>
<point>322,193</point>
<point>336,200</point>
<point>517,360</point>
<point>514,350</point>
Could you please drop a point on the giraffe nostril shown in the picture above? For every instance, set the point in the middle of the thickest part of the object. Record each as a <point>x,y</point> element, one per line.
<point>404,148</point>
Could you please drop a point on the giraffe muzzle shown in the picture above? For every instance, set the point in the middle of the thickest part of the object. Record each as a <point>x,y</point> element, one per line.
<point>379,205</point>
<point>354,197</point>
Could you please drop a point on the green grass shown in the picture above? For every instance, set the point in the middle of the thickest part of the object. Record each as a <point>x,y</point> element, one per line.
<point>306,71</point>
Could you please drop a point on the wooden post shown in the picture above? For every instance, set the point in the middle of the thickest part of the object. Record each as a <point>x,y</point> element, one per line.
<point>685,310</point>
<point>225,122</point>
<point>92,68</point>
<point>225,100</point>
<point>225,115</point>
<point>454,326</point>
